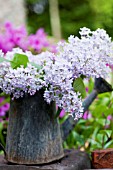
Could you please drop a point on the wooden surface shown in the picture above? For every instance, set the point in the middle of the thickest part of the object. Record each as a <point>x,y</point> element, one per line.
<point>73,160</point>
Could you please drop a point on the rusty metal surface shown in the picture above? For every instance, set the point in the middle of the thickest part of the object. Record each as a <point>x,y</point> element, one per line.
<point>73,160</point>
<point>102,158</point>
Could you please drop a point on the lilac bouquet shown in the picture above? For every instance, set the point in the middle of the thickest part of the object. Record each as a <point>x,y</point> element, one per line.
<point>60,74</point>
<point>12,37</point>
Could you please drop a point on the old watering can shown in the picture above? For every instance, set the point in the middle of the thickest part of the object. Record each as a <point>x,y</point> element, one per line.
<point>34,136</point>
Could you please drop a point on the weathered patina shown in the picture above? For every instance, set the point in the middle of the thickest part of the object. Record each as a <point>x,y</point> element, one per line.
<point>33,135</point>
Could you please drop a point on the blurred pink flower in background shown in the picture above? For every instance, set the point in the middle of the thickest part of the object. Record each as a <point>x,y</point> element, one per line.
<point>109,117</point>
<point>87,115</point>
<point>39,40</point>
<point>11,37</point>
<point>62,113</point>
<point>3,107</point>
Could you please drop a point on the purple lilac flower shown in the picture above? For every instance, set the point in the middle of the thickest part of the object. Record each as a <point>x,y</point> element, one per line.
<point>84,53</point>
<point>87,56</point>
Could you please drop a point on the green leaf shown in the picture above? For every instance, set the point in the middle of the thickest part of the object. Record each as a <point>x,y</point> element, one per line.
<point>101,138</point>
<point>103,121</point>
<point>78,138</point>
<point>18,60</point>
<point>109,144</point>
<point>94,134</point>
<point>106,132</point>
<point>78,85</point>
<point>1,135</point>
<point>108,111</point>
<point>104,99</point>
<point>6,100</point>
<point>81,121</point>
<point>65,145</point>
<point>99,110</point>
<point>58,112</point>
<point>88,132</point>
<point>95,146</point>
<point>36,65</point>
<point>91,85</point>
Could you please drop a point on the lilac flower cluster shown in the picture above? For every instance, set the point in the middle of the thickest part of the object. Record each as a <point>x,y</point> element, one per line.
<point>21,80</point>
<point>89,54</point>
<point>58,78</point>
<point>86,56</point>
<point>11,37</point>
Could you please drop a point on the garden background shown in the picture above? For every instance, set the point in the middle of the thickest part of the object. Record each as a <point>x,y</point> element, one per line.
<point>59,19</point>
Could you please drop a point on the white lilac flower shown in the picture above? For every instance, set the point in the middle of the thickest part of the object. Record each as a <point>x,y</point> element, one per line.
<point>39,59</point>
<point>21,80</point>
<point>85,31</point>
<point>4,67</point>
<point>1,53</point>
<point>89,55</point>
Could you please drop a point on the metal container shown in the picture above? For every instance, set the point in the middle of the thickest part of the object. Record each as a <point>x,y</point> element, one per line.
<point>33,135</point>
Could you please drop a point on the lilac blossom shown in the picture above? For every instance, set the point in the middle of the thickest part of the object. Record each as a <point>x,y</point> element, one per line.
<point>89,55</point>
<point>55,76</point>
<point>11,37</point>
<point>20,80</point>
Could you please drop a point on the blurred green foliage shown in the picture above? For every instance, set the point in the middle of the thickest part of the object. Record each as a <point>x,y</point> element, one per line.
<point>96,130</point>
<point>74,14</point>
<point>38,15</point>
